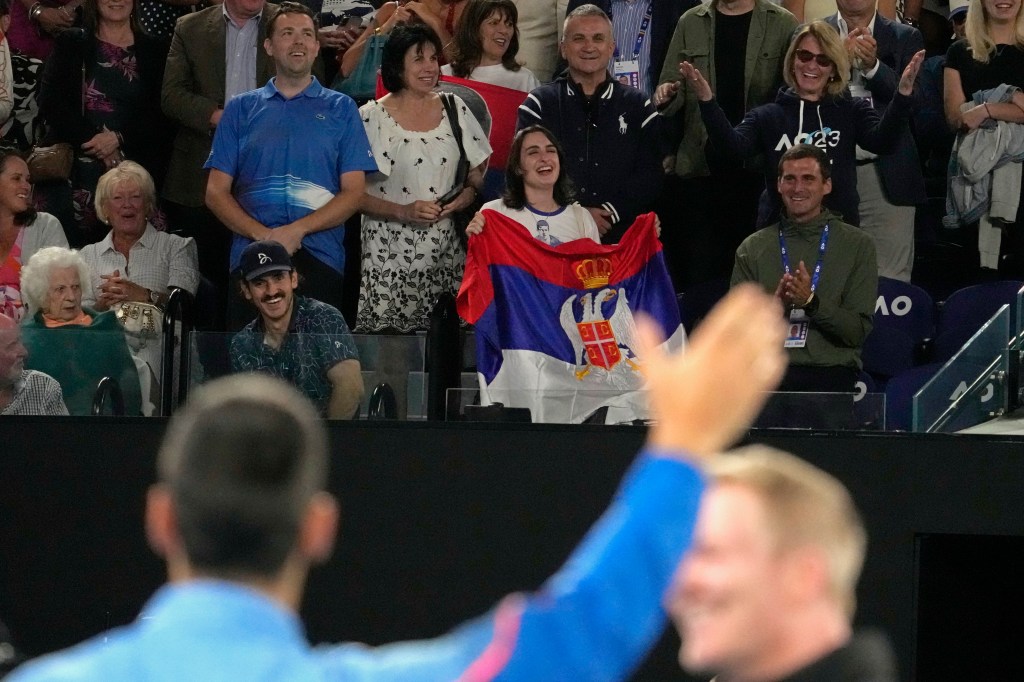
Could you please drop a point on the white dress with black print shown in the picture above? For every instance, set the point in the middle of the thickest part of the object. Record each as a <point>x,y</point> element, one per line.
<point>405,266</point>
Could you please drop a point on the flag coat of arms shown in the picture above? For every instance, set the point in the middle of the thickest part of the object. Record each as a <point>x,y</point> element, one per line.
<point>555,325</point>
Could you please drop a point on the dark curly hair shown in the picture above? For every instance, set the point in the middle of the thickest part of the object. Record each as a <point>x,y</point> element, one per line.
<point>515,190</point>
<point>467,49</point>
<point>392,61</point>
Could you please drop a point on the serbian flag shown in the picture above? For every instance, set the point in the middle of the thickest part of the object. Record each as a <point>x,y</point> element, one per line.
<point>555,325</point>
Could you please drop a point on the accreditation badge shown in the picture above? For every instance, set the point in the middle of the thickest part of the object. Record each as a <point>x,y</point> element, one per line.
<point>796,337</point>
<point>627,72</point>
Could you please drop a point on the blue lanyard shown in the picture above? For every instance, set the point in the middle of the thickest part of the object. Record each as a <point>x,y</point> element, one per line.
<point>817,266</point>
<point>644,25</point>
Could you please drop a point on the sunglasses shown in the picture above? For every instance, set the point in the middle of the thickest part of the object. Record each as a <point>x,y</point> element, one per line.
<point>805,56</point>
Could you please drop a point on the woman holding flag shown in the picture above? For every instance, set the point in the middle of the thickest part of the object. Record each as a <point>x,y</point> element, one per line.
<point>538,195</point>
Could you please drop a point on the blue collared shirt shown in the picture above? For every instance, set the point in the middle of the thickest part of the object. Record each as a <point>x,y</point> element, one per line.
<point>593,620</point>
<point>287,156</point>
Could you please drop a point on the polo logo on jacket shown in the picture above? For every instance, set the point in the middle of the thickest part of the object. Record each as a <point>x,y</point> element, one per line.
<point>622,124</point>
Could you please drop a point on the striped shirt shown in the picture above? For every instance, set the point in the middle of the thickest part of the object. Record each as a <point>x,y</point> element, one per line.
<point>627,16</point>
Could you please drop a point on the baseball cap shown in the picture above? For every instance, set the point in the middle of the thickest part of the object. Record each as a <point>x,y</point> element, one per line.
<point>262,257</point>
<point>957,7</point>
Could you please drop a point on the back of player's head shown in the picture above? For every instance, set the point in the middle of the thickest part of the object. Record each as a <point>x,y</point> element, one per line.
<point>242,461</point>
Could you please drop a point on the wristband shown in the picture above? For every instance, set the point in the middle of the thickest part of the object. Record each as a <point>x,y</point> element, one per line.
<point>989,113</point>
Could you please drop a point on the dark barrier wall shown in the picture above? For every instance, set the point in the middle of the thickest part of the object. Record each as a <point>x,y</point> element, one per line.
<point>441,521</point>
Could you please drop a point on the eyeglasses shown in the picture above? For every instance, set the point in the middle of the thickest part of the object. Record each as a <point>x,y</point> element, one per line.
<point>805,56</point>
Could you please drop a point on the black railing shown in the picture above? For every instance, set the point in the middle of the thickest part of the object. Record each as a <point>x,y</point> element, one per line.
<point>108,386</point>
<point>180,308</point>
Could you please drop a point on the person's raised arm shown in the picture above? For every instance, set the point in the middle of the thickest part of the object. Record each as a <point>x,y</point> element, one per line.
<point>705,398</point>
<point>383,21</point>
<point>601,612</point>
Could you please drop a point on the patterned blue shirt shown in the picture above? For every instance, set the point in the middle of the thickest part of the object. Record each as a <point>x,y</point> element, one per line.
<point>317,340</point>
<point>287,156</point>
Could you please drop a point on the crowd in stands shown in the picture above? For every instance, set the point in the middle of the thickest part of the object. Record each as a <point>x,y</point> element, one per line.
<point>188,144</point>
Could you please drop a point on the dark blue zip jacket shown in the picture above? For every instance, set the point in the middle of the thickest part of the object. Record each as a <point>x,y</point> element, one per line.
<point>835,124</point>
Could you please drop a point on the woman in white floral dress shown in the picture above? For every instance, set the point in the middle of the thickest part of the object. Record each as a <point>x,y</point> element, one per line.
<point>411,252</point>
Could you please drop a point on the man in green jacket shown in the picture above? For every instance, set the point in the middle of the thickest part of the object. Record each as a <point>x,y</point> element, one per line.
<point>710,202</point>
<point>824,272</point>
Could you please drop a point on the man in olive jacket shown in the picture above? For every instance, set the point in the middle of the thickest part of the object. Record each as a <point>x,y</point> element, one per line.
<point>824,271</point>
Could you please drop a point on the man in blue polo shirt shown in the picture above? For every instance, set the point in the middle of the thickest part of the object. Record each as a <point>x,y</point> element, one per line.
<point>289,162</point>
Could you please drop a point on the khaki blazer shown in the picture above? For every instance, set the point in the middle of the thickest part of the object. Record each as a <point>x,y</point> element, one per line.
<point>193,88</point>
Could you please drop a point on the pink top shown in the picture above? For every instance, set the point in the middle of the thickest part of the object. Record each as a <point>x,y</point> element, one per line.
<point>10,281</point>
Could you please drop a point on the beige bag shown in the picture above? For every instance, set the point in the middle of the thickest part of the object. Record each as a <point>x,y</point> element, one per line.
<point>143,323</point>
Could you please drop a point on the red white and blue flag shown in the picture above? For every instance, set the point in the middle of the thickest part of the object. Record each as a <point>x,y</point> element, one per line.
<point>555,326</point>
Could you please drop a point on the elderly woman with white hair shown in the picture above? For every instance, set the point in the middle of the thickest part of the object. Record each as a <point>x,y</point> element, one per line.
<point>135,266</point>
<point>135,262</point>
<point>76,346</point>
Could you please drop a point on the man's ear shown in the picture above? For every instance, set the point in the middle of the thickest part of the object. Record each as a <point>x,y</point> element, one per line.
<point>162,522</point>
<point>828,186</point>
<point>244,288</point>
<point>319,528</point>
<point>266,46</point>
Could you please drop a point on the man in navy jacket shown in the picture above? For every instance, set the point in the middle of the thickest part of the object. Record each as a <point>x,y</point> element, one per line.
<point>890,186</point>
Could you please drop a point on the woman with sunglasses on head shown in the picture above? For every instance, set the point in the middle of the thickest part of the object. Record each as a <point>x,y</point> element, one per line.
<point>814,109</point>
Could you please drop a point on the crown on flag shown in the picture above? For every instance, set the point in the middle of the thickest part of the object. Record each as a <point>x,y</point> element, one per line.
<point>594,272</point>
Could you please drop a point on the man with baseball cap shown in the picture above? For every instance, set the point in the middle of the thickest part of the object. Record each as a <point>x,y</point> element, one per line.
<point>299,339</point>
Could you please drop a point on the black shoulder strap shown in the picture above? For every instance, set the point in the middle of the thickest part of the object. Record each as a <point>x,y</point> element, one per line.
<point>448,100</point>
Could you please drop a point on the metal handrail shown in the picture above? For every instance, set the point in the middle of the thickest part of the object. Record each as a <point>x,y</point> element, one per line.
<point>444,356</point>
<point>108,386</point>
<point>180,308</point>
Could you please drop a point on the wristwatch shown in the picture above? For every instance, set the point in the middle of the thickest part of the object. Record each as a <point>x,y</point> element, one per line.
<point>154,297</point>
<point>811,306</point>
